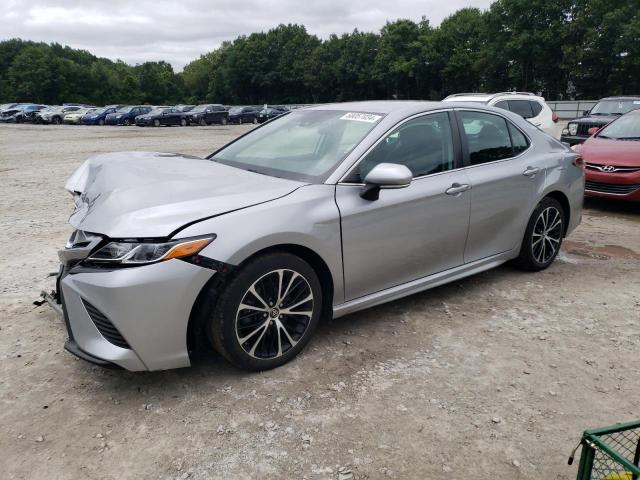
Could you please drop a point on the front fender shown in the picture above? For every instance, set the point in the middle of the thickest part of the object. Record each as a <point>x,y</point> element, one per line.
<point>308,217</point>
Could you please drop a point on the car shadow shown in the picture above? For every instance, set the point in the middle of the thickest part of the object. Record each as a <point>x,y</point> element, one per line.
<point>604,206</point>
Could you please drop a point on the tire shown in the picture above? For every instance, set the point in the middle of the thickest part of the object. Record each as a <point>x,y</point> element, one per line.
<point>255,120</point>
<point>126,122</point>
<point>543,236</point>
<point>223,121</point>
<point>56,120</point>
<point>240,121</point>
<point>203,122</point>
<point>101,122</point>
<point>183,122</point>
<point>254,346</point>
<point>156,123</point>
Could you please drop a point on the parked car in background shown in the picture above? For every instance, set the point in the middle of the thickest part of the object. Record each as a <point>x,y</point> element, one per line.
<point>162,116</point>
<point>604,112</point>
<point>184,108</point>
<point>55,114</point>
<point>243,115</point>
<point>531,107</point>
<point>7,106</point>
<point>270,112</point>
<point>75,117</point>
<point>208,114</point>
<point>612,159</point>
<point>127,114</point>
<point>321,212</point>
<point>20,113</point>
<point>99,115</point>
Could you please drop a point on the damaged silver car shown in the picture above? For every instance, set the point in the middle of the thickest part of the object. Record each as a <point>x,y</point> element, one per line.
<point>321,212</point>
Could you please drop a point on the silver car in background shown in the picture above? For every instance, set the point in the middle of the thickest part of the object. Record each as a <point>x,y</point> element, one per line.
<point>321,212</point>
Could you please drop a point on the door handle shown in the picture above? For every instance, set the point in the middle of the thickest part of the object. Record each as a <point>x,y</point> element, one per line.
<point>531,171</point>
<point>456,189</point>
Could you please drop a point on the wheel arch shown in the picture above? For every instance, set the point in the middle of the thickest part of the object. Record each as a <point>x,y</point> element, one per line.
<point>197,338</point>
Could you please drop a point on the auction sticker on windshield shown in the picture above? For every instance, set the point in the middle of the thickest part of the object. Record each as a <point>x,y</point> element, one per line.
<point>361,117</point>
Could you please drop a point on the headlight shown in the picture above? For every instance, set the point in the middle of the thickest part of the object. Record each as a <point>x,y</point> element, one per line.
<point>573,128</point>
<point>140,253</point>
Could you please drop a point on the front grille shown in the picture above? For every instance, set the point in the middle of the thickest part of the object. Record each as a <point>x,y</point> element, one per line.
<point>583,128</point>
<point>105,327</point>
<point>611,168</point>
<point>615,188</point>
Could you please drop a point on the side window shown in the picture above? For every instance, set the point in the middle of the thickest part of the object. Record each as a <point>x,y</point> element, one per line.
<point>424,145</point>
<point>536,108</point>
<point>521,107</point>
<point>504,104</point>
<point>519,141</point>
<point>487,137</point>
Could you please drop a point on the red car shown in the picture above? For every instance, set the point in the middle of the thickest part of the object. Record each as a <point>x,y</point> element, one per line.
<point>612,159</point>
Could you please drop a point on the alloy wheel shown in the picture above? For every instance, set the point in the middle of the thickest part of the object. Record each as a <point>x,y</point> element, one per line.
<point>274,314</point>
<point>547,235</point>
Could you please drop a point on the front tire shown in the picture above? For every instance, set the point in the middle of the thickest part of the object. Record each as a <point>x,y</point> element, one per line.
<point>203,122</point>
<point>223,121</point>
<point>255,120</point>
<point>183,122</point>
<point>267,313</point>
<point>101,122</point>
<point>156,123</point>
<point>543,236</point>
<point>127,122</point>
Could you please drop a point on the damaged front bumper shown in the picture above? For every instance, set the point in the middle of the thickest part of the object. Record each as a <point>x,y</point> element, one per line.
<point>136,318</point>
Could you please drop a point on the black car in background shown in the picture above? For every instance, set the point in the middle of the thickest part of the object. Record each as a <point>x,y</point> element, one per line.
<point>127,115</point>
<point>162,116</point>
<point>243,115</point>
<point>98,116</point>
<point>271,112</point>
<point>23,112</point>
<point>208,114</point>
<point>604,112</point>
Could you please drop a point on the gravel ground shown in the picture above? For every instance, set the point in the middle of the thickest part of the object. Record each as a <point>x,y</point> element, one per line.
<point>491,377</point>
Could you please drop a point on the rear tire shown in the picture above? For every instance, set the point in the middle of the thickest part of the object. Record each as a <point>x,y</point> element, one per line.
<point>223,121</point>
<point>543,236</point>
<point>56,120</point>
<point>156,123</point>
<point>263,330</point>
<point>101,122</point>
<point>240,121</point>
<point>183,122</point>
<point>203,122</point>
<point>127,122</point>
<point>255,120</point>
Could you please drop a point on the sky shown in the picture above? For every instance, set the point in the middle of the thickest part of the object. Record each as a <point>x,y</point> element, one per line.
<point>179,31</point>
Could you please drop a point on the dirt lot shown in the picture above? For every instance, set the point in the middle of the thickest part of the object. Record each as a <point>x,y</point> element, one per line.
<point>491,377</point>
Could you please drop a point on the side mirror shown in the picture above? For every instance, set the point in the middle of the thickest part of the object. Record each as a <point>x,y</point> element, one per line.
<point>586,113</point>
<point>593,130</point>
<point>385,175</point>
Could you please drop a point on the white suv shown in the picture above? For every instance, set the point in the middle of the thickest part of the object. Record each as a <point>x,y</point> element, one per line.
<point>531,107</point>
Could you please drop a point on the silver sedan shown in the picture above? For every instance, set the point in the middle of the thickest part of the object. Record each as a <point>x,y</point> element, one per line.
<point>321,212</point>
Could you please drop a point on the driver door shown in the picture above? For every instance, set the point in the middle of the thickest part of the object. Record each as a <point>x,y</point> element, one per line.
<point>412,232</point>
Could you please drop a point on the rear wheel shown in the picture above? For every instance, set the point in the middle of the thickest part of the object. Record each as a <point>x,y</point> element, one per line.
<point>255,120</point>
<point>267,313</point>
<point>127,122</point>
<point>156,123</point>
<point>203,122</point>
<point>543,236</point>
<point>101,122</point>
<point>223,121</point>
<point>56,120</point>
<point>183,122</point>
<point>240,121</point>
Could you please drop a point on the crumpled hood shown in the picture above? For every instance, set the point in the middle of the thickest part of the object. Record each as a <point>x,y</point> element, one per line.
<point>150,194</point>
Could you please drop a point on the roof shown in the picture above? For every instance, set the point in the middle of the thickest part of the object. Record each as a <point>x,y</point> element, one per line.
<point>381,106</point>
<point>621,97</point>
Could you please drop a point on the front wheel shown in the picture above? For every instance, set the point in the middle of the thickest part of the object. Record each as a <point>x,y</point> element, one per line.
<point>223,121</point>
<point>267,313</point>
<point>183,122</point>
<point>543,236</point>
<point>156,123</point>
<point>101,122</point>
<point>255,120</point>
<point>127,122</point>
<point>203,122</point>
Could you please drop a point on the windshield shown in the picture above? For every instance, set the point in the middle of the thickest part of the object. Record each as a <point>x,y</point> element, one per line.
<point>302,145</point>
<point>615,107</point>
<point>158,111</point>
<point>235,110</point>
<point>99,111</point>
<point>200,108</point>
<point>124,109</point>
<point>625,128</point>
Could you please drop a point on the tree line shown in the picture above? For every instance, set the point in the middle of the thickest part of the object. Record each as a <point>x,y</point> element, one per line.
<point>561,49</point>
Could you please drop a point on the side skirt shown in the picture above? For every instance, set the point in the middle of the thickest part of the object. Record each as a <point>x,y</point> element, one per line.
<point>421,284</point>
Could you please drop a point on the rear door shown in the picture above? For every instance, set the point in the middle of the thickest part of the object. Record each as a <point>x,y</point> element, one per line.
<point>504,178</point>
<point>411,232</point>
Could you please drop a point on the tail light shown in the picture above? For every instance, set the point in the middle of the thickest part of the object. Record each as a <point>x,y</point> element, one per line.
<point>555,117</point>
